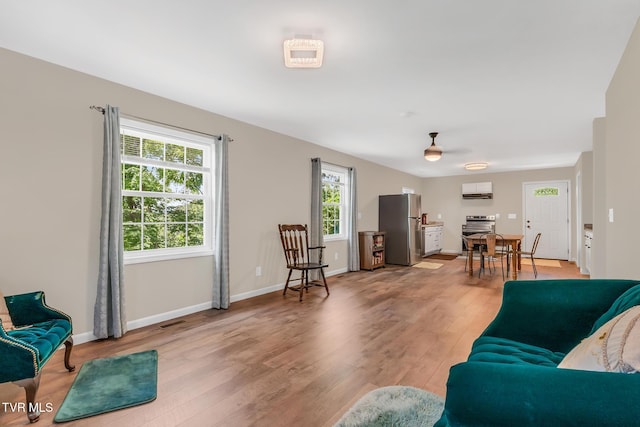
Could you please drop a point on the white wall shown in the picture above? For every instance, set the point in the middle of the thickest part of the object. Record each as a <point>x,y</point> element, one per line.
<point>622,150</point>
<point>599,247</point>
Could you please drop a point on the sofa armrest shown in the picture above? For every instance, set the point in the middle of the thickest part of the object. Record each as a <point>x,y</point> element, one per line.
<point>30,308</point>
<point>554,314</point>
<point>19,359</point>
<point>482,394</point>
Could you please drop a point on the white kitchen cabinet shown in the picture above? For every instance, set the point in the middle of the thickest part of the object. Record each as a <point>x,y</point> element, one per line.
<point>477,187</point>
<point>432,237</point>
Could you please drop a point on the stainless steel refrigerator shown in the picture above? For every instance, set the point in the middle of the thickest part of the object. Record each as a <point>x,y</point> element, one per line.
<point>399,218</point>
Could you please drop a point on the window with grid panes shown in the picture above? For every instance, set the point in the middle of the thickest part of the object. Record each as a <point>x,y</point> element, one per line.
<point>166,192</point>
<point>334,201</point>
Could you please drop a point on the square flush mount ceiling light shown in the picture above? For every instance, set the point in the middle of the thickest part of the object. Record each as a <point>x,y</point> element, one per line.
<point>303,53</point>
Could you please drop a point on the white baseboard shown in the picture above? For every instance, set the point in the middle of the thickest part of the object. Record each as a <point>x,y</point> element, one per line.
<point>163,317</point>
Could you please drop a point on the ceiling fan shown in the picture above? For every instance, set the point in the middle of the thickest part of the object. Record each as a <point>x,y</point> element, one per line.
<point>433,152</point>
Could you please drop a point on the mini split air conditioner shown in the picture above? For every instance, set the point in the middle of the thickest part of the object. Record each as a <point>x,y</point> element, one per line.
<point>477,190</point>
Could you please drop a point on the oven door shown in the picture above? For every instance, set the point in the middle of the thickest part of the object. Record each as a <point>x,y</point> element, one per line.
<point>468,231</point>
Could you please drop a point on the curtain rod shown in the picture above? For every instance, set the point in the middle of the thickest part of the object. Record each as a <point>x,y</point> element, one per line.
<point>101,111</point>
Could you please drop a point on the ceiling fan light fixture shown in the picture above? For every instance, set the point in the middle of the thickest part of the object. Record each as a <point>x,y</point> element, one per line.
<point>433,152</point>
<point>303,53</point>
<point>476,166</point>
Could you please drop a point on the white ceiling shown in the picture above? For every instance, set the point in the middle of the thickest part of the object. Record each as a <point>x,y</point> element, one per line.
<point>513,83</point>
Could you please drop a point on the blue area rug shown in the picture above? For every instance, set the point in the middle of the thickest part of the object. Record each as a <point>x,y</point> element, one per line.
<point>394,406</point>
<point>105,385</point>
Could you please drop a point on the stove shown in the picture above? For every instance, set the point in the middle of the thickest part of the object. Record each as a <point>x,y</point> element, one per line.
<point>478,224</point>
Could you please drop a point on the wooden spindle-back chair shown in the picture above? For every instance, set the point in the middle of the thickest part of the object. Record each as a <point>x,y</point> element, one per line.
<point>295,243</point>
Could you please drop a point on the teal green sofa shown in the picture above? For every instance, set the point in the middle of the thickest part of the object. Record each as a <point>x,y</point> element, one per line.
<point>511,376</point>
<point>39,331</point>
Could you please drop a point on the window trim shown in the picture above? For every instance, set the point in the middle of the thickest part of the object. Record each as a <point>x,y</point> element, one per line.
<point>182,137</point>
<point>344,207</point>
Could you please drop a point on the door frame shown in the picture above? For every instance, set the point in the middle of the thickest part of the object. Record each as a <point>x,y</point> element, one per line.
<point>526,244</point>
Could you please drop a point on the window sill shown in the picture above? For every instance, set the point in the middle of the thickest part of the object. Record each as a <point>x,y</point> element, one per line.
<point>334,238</point>
<point>141,259</point>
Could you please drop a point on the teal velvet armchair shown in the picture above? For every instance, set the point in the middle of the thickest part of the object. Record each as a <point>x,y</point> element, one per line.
<point>39,331</point>
<point>512,378</point>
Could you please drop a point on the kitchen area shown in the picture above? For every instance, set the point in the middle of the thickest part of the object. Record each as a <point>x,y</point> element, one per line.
<point>408,233</point>
<point>411,234</point>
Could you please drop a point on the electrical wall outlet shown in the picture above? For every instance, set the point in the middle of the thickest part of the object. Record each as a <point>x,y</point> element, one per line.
<point>258,271</point>
<point>335,256</point>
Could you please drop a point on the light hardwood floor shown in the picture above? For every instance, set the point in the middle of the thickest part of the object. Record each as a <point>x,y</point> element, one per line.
<point>273,361</point>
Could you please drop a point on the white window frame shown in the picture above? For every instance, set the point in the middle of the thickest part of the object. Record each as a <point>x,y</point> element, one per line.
<point>180,137</point>
<point>344,205</point>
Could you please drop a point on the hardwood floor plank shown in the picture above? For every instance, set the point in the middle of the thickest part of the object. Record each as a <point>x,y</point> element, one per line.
<point>273,361</point>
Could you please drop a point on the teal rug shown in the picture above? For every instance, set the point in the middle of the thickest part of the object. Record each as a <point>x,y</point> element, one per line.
<point>105,385</point>
<point>394,406</point>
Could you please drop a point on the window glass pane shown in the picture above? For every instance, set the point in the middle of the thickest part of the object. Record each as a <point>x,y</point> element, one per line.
<point>195,184</point>
<point>328,176</point>
<point>132,237</point>
<point>334,184</point>
<point>175,153</point>
<point>195,211</point>
<point>131,145</point>
<point>194,156</point>
<point>174,182</point>
<point>152,149</point>
<point>131,209</point>
<point>163,200</point>
<point>131,177</point>
<point>176,210</point>
<point>195,234</point>
<point>153,209</point>
<point>548,191</point>
<point>331,220</point>
<point>154,236</point>
<point>331,193</point>
<point>152,178</point>
<point>176,235</point>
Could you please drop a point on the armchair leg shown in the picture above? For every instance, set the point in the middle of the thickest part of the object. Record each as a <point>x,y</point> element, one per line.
<point>30,386</point>
<point>68,346</point>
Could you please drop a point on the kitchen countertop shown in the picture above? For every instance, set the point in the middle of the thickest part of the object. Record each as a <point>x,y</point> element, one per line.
<point>432,224</point>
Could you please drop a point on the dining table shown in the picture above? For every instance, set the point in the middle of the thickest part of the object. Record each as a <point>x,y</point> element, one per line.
<point>513,241</point>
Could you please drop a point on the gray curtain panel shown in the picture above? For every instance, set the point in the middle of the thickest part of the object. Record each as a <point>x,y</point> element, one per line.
<point>221,221</point>
<point>354,252</point>
<point>315,227</point>
<point>109,318</point>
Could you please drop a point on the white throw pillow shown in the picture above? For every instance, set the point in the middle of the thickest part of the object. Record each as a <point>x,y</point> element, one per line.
<point>614,347</point>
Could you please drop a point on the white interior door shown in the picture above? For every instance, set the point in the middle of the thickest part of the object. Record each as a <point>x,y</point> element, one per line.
<point>546,211</point>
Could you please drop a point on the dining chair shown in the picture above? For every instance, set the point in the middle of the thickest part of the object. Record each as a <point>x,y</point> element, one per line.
<point>505,250</point>
<point>295,243</point>
<point>491,251</point>
<point>531,253</point>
